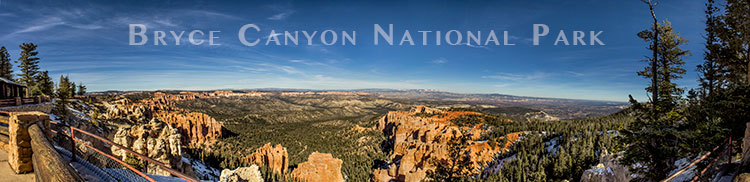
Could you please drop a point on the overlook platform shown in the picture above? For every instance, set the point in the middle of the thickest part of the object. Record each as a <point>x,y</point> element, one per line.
<point>8,175</point>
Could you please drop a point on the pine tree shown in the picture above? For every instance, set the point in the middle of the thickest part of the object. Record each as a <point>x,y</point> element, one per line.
<point>460,165</point>
<point>28,64</point>
<point>655,38</point>
<point>73,89</point>
<point>46,86</point>
<point>654,137</point>
<point>711,71</point>
<point>81,89</point>
<point>6,68</point>
<point>669,65</point>
<point>63,93</point>
<point>736,33</point>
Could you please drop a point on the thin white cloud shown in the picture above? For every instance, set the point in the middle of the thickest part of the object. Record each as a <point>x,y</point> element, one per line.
<point>287,69</point>
<point>44,25</point>
<point>281,16</point>
<point>576,74</point>
<point>165,22</point>
<point>518,77</point>
<point>476,46</point>
<point>440,61</point>
<point>86,26</point>
<point>308,63</point>
<point>210,13</point>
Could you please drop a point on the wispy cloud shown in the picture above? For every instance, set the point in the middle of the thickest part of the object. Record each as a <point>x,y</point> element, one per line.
<point>476,46</point>
<point>286,69</point>
<point>440,61</point>
<point>308,63</point>
<point>44,25</point>
<point>518,77</point>
<point>282,15</point>
<point>576,74</point>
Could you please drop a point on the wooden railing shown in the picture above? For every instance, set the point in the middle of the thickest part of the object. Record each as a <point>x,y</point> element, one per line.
<point>48,164</point>
<point>21,101</point>
<point>727,152</point>
<point>43,159</point>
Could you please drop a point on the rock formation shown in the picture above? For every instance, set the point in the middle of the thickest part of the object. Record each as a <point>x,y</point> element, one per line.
<point>421,136</point>
<point>608,169</point>
<point>197,129</point>
<point>276,158</point>
<point>155,140</point>
<point>319,167</point>
<point>241,174</point>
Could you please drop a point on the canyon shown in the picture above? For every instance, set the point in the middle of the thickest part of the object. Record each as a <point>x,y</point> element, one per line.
<point>307,135</point>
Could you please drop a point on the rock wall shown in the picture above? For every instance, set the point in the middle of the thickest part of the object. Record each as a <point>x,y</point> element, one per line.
<point>319,167</point>
<point>419,139</point>
<point>19,143</point>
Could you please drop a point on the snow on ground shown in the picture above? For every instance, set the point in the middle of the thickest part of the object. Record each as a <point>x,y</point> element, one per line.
<point>552,146</point>
<point>497,167</point>
<point>687,175</point>
<point>203,171</point>
<point>601,170</point>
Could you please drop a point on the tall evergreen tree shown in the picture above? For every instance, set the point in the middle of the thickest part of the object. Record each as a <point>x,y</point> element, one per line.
<point>6,68</point>
<point>46,86</point>
<point>655,38</point>
<point>654,138</point>
<point>81,89</point>
<point>28,64</point>
<point>73,89</point>
<point>736,34</point>
<point>63,93</point>
<point>668,65</point>
<point>711,72</point>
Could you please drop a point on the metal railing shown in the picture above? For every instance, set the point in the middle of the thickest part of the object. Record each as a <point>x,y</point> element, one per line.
<point>727,152</point>
<point>72,137</point>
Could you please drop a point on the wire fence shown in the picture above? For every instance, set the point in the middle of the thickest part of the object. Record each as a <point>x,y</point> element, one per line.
<point>96,165</point>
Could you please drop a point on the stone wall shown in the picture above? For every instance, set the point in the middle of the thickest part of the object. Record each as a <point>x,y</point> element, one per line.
<point>19,144</point>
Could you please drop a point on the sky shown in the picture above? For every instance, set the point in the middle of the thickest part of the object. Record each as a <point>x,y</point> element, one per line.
<point>89,41</point>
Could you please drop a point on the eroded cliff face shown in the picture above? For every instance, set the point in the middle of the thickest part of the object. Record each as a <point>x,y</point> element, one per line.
<point>154,139</point>
<point>276,158</point>
<point>197,129</point>
<point>420,138</point>
<point>319,167</point>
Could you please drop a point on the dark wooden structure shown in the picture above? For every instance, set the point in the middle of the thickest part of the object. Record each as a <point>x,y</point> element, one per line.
<point>10,89</point>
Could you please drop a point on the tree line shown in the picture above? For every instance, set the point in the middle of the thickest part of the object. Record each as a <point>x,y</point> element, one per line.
<point>38,82</point>
<point>673,124</point>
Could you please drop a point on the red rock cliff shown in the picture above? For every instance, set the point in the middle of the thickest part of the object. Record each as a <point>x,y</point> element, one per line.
<point>420,137</point>
<point>276,158</point>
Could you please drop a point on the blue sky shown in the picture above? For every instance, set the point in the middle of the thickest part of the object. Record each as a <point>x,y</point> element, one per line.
<point>88,40</point>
